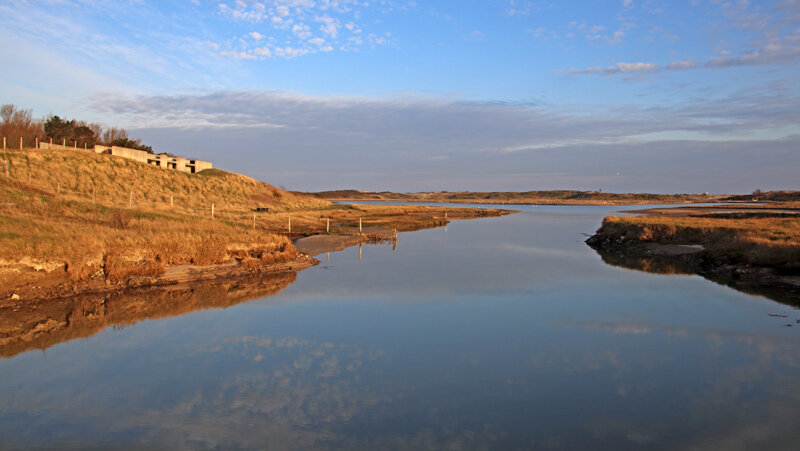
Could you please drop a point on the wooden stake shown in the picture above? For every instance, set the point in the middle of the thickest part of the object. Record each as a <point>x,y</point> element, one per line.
<point>51,143</point>
<point>20,142</point>
<point>172,201</point>
<point>359,225</point>
<point>64,142</point>
<point>212,211</point>
<point>4,143</point>
<point>130,201</point>
<point>290,224</point>
<point>328,226</point>
<point>37,143</point>
<point>254,221</point>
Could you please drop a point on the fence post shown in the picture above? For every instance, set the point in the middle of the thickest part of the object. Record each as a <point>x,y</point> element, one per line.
<point>37,143</point>
<point>212,211</point>
<point>51,143</point>
<point>4,143</point>
<point>359,225</point>
<point>254,221</point>
<point>76,143</point>
<point>328,226</point>
<point>20,142</point>
<point>64,142</point>
<point>172,201</point>
<point>290,224</point>
<point>130,201</point>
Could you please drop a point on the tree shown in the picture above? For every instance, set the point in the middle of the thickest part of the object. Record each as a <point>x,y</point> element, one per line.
<point>16,123</point>
<point>73,131</point>
<point>757,194</point>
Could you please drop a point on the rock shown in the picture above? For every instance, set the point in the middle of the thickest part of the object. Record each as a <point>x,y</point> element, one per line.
<point>15,297</point>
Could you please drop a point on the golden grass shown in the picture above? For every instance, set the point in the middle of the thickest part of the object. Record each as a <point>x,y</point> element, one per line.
<point>70,210</point>
<point>757,239</point>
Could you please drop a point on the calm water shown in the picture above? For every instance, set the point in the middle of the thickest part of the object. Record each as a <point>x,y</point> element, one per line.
<point>501,333</point>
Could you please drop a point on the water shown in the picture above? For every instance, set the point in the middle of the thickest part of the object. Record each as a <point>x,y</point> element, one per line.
<point>498,333</point>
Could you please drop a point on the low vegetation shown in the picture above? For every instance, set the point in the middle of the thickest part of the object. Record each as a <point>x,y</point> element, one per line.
<point>762,238</point>
<point>555,197</point>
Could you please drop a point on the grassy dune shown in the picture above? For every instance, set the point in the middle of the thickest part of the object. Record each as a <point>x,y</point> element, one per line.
<point>68,217</point>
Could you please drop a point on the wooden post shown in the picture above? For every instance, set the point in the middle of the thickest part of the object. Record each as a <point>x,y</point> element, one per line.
<point>290,224</point>
<point>20,142</point>
<point>359,226</point>
<point>445,215</point>
<point>328,257</point>
<point>212,211</point>
<point>85,146</point>
<point>328,226</point>
<point>254,221</point>
<point>76,143</point>
<point>172,201</point>
<point>4,143</point>
<point>64,142</point>
<point>37,143</point>
<point>359,251</point>
<point>51,143</point>
<point>130,201</point>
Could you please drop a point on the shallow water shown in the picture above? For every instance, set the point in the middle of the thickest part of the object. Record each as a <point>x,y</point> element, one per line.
<point>499,333</point>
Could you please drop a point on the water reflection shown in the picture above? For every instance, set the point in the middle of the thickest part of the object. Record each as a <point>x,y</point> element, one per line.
<point>505,333</point>
<point>676,265</point>
<point>43,325</point>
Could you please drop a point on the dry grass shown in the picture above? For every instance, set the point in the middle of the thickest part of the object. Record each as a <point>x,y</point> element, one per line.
<point>762,239</point>
<point>69,210</point>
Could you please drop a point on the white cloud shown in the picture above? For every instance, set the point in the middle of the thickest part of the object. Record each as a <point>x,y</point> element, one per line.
<point>330,26</point>
<point>256,35</point>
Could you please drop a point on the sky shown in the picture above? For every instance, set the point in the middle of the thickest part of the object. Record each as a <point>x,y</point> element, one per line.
<point>618,95</point>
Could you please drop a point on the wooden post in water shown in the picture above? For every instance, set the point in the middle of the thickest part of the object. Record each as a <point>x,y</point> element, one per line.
<point>359,251</point>
<point>359,228</point>
<point>328,257</point>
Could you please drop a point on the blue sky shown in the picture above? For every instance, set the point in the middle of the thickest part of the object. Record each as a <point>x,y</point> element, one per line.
<point>622,95</point>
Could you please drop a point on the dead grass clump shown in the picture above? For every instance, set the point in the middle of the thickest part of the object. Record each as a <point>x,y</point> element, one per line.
<point>118,269</point>
<point>251,264</point>
<point>212,250</point>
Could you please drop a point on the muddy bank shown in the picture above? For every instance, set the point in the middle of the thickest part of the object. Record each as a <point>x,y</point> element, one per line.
<point>55,285</point>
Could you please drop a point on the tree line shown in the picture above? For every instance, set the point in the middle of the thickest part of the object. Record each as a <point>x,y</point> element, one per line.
<point>16,123</point>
